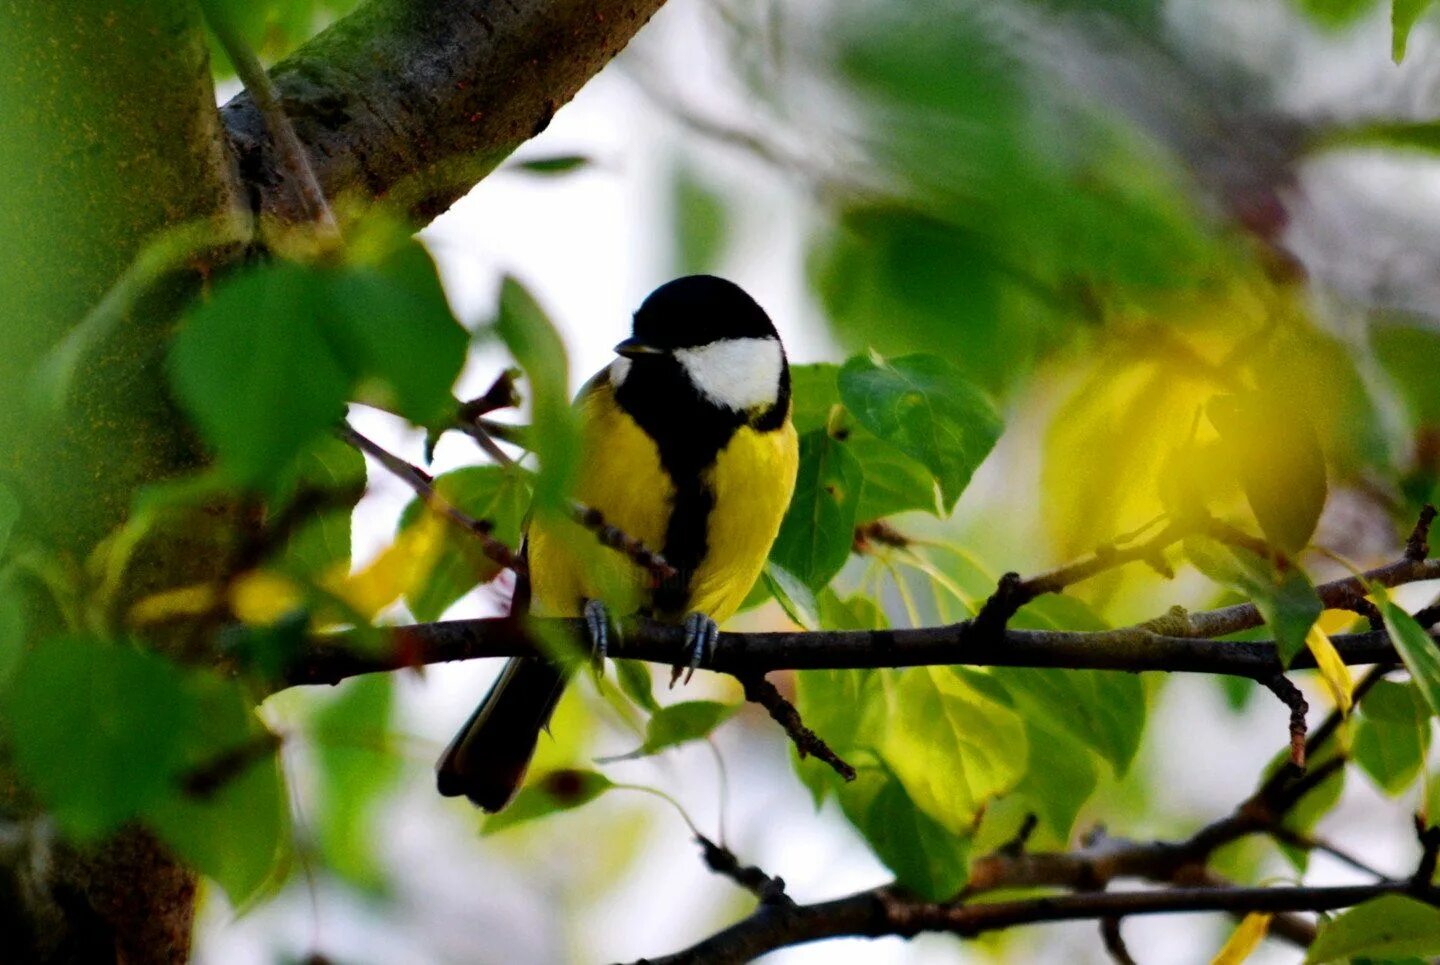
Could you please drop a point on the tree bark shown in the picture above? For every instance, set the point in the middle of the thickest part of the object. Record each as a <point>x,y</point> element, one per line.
<point>416,100</point>
<point>109,135</point>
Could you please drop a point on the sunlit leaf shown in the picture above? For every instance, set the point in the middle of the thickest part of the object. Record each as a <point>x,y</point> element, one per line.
<point>816,533</point>
<point>1244,939</point>
<point>550,793</point>
<point>926,408</point>
<point>1333,669</point>
<point>1273,447</point>
<point>952,747</point>
<point>1390,926</point>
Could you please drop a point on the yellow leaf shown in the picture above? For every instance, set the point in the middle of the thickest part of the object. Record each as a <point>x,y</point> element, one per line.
<point>1332,669</point>
<point>184,601</point>
<point>1244,939</point>
<point>404,563</point>
<point>261,597</point>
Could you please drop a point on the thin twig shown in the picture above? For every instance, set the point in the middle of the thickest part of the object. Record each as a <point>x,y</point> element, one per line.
<point>1417,547</point>
<point>1115,942</point>
<point>809,744</point>
<point>1292,698</point>
<point>722,861</point>
<point>423,485</point>
<point>293,159</point>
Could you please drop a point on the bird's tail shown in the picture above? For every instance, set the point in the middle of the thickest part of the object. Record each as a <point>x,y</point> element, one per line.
<point>487,760</point>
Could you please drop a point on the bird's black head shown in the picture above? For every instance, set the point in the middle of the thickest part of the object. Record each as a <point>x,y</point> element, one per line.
<point>697,310</point>
<point>701,341</point>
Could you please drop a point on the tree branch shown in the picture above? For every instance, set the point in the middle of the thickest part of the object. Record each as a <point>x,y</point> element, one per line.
<point>416,100</point>
<point>332,658</point>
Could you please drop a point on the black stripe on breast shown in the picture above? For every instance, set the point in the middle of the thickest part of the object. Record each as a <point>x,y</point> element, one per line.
<point>689,432</point>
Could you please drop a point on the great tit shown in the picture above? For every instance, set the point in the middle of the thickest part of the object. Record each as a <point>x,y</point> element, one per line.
<point>686,445</point>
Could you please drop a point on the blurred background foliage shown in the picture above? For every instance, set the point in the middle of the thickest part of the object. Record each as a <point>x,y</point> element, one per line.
<point>1064,268</point>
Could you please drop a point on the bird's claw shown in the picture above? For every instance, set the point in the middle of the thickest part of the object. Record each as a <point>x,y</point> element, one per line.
<point>597,627</point>
<point>701,633</point>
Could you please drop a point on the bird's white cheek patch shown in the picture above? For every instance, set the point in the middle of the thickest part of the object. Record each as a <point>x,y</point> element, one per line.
<point>618,370</point>
<point>737,373</point>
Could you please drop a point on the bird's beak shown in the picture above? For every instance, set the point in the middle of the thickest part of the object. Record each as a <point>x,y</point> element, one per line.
<point>633,347</point>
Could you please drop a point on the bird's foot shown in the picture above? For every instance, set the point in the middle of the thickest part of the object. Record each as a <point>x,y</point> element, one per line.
<point>701,633</point>
<point>599,627</point>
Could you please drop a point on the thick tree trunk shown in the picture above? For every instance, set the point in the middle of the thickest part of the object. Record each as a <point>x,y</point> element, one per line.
<point>109,135</point>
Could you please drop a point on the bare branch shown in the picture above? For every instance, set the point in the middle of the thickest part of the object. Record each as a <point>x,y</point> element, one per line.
<point>807,742</point>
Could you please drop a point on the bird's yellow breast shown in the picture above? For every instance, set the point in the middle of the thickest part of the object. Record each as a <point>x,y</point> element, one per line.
<point>622,476</point>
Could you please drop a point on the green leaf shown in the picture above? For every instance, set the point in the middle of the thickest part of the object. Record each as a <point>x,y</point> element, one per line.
<point>497,494</point>
<point>1335,14</point>
<point>265,365</point>
<point>836,704</point>
<point>923,855</point>
<point>951,746</point>
<point>702,224</point>
<point>1103,711</point>
<point>923,405</point>
<point>1409,355</point>
<point>819,527</point>
<point>1273,447</point>
<point>1388,926</point>
<point>356,768</point>
<point>894,482</point>
<point>549,794</point>
<point>394,333</point>
<point>555,430</point>
<point>1415,647</point>
<point>237,833</point>
<point>794,597</point>
<point>1061,776</point>
<point>255,371</point>
<point>1403,16</point>
<point>637,683</point>
<point>99,730</point>
<point>681,723</point>
<point>1285,597</point>
<point>814,392</point>
<point>1391,752</point>
<point>555,164</point>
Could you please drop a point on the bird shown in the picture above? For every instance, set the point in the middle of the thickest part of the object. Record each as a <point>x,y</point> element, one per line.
<point>686,445</point>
